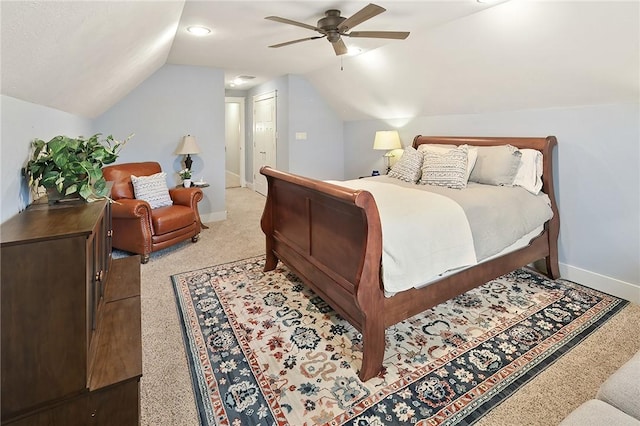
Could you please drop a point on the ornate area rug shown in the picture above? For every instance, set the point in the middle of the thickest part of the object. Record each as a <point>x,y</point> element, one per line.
<point>265,350</point>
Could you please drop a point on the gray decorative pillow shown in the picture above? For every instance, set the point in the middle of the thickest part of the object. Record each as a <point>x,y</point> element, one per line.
<point>496,165</point>
<point>445,169</point>
<point>152,189</point>
<point>408,167</point>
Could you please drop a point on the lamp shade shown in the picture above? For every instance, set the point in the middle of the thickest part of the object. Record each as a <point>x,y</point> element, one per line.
<point>188,146</point>
<point>387,140</point>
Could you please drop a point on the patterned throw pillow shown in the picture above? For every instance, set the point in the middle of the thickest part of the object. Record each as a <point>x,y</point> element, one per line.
<point>152,189</point>
<point>445,169</point>
<point>408,167</point>
<point>472,154</point>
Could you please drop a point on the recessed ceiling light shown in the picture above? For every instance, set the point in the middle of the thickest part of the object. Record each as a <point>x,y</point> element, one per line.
<point>240,80</point>
<point>198,30</point>
<point>353,50</point>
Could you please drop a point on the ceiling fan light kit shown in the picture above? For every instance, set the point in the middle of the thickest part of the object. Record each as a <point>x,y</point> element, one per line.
<point>198,30</point>
<point>333,26</point>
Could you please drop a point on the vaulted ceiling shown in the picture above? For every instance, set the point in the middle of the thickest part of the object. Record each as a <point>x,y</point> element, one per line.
<point>461,57</point>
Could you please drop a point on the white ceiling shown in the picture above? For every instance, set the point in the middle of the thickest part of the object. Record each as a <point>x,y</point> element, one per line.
<point>461,57</point>
<point>241,36</point>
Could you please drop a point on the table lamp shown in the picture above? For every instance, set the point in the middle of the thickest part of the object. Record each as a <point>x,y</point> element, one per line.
<point>188,147</point>
<point>387,140</point>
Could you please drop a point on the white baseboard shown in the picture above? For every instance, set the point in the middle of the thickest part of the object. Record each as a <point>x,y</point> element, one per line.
<point>599,282</point>
<point>213,216</point>
<point>232,180</point>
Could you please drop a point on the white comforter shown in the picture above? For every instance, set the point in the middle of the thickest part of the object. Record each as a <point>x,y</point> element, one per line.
<point>423,234</point>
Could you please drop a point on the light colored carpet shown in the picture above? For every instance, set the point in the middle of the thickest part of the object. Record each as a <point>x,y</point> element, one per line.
<point>167,398</point>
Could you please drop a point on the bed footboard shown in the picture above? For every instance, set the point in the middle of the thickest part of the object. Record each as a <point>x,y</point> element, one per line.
<point>331,238</point>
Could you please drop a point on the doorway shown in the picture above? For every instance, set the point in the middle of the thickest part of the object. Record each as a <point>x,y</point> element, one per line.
<point>264,137</point>
<point>234,142</point>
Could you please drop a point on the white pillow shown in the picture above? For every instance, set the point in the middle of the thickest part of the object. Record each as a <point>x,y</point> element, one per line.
<point>152,189</point>
<point>445,169</point>
<point>472,154</point>
<point>408,168</point>
<point>529,175</point>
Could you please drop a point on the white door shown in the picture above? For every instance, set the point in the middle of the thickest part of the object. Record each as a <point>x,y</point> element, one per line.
<point>234,142</point>
<point>264,138</point>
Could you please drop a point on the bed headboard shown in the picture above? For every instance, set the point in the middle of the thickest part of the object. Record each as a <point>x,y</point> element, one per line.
<point>544,145</point>
<point>541,144</point>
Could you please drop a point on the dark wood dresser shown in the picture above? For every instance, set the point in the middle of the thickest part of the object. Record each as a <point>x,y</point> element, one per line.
<point>70,319</point>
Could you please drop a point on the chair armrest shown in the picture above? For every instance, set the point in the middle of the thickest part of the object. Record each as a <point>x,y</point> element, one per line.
<point>126,208</point>
<point>186,196</point>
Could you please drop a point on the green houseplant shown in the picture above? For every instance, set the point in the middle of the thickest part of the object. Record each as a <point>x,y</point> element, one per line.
<point>185,174</point>
<point>71,166</point>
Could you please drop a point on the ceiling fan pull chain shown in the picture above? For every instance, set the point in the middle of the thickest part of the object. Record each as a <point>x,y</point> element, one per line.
<point>341,68</point>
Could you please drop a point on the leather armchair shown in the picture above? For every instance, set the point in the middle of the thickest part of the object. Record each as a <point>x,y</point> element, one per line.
<point>139,229</point>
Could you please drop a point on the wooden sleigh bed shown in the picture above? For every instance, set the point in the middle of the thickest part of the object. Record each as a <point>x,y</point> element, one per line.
<point>330,236</point>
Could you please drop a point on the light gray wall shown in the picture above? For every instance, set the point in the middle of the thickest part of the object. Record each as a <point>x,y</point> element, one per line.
<point>320,156</point>
<point>21,123</point>
<point>175,101</point>
<point>596,173</point>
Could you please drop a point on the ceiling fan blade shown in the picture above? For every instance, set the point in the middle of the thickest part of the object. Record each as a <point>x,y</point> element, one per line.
<point>286,43</point>
<point>339,47</point>
<point>290,22</point>
<point>399,35</point>
<point>367,12</point>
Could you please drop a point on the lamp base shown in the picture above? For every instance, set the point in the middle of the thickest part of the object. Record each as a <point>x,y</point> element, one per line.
<point>188,162</point>
<point>387,160</point>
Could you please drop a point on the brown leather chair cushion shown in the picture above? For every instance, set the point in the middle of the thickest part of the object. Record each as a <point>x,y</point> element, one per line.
<point>170,218</point>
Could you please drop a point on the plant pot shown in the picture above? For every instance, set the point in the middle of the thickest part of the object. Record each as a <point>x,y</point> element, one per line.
<point>186,183</point>
<point>54,196</point>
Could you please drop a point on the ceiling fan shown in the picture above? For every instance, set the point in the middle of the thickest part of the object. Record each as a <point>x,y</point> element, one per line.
<point>333,27</point>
